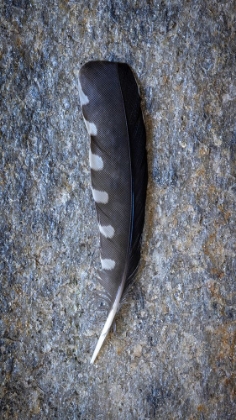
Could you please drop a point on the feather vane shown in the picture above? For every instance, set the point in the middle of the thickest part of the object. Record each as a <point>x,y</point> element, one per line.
<point>111,109</point>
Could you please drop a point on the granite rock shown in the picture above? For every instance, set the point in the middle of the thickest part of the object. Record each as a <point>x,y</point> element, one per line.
<point>173,353</point>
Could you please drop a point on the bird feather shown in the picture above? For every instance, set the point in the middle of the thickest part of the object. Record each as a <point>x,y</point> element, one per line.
<point>111,109</point>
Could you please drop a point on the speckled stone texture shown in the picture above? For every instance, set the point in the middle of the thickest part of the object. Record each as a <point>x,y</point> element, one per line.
<point>173,353</point>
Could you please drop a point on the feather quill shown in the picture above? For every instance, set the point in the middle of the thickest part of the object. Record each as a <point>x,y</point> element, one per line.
<point>111,109</point>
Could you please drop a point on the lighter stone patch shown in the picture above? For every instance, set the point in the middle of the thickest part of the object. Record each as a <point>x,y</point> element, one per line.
<point>100,196</point>
<point>107,231</point>
<point>96,162</point>
<point>108,264</point>
<point>84,100</point>
<point>91,128</point>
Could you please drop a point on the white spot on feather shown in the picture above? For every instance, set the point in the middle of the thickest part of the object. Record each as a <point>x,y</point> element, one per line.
<point>96,162</point>
<point>107,231</point>
<point>84,100</point>
<point>100,196</point>
<point>108,264</point>
<point>91,128</point>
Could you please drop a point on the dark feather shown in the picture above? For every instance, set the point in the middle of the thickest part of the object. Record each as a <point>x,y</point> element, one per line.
<point>111,108</point>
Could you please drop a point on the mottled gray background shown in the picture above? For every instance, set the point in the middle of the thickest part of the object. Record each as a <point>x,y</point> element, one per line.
<point>173,355</point>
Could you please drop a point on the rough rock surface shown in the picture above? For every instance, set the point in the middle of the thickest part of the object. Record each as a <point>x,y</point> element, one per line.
<point>173,355</point>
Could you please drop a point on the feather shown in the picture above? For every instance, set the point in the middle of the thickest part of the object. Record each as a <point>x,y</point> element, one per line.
<point>111,109</point>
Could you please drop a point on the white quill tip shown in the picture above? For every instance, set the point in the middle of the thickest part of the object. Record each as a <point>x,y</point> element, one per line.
<point>104,333</point>
<point>108,324</point>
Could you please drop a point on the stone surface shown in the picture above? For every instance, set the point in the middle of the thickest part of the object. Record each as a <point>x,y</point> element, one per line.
<point>173,353</point>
